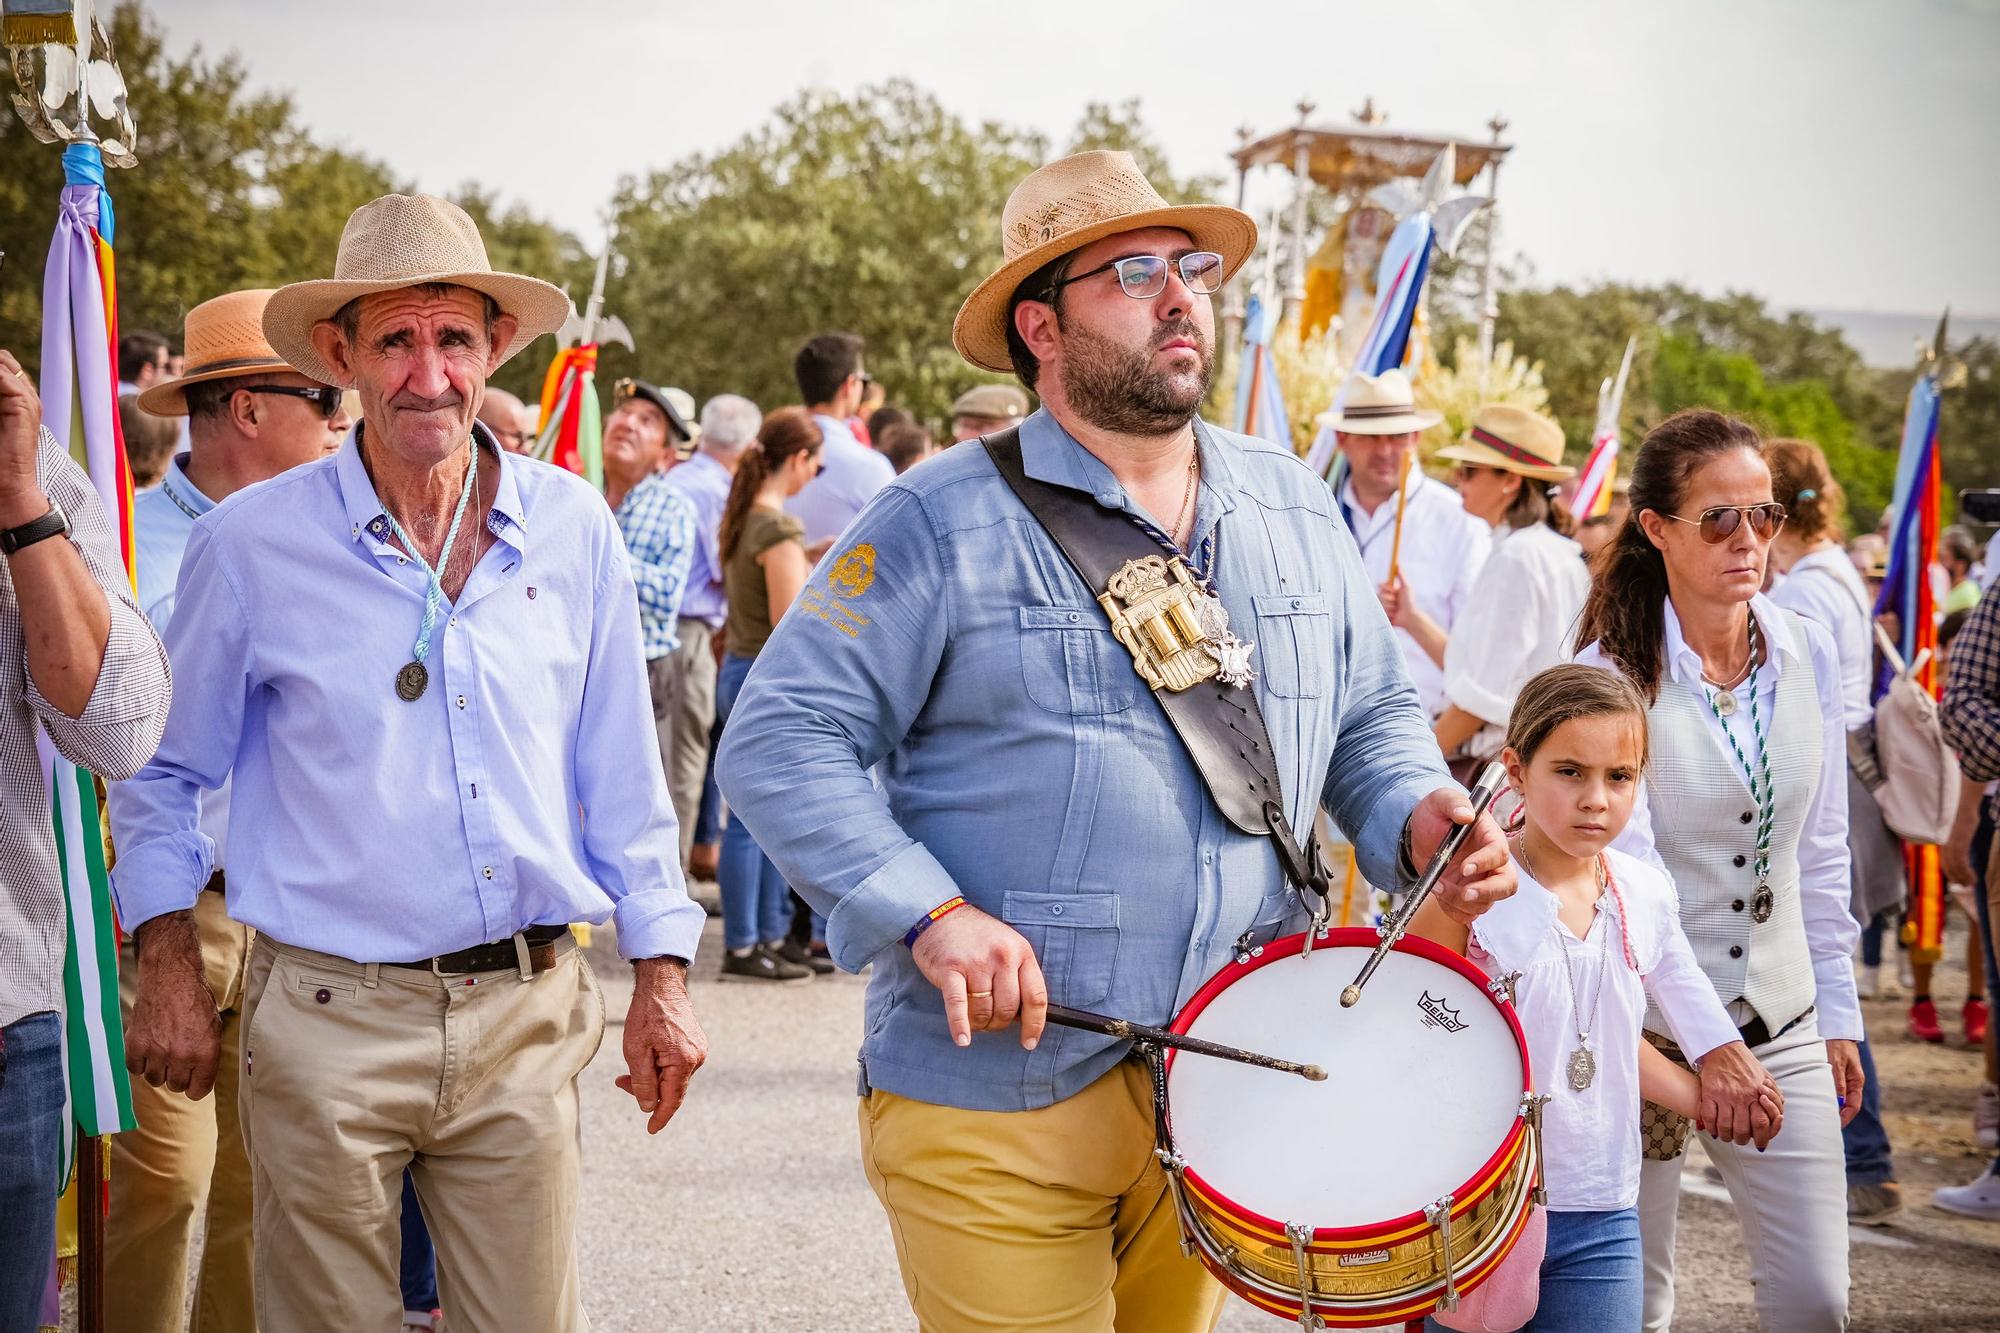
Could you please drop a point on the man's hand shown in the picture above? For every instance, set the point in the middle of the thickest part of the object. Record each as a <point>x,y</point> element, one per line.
<point>1733,1087</point>
<point>1481,874</point>
<point>175,1037</point>
<point>1848,1080</point>
<point>20,445</point>
<point>1392,596</point>
<point>664,1043</point>
<point>988,975</point>
<point>1956,858</point>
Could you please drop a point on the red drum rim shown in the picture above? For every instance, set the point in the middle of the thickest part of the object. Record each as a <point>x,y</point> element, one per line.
<point>1363,937</point>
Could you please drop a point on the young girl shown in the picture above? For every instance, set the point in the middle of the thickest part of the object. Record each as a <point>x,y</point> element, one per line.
<point>1594,934</point>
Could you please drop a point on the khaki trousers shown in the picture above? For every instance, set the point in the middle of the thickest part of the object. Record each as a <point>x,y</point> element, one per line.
<point>694,719</point>
<point>1057,1219</point>
<point>181,1153</point>
<point>352,1073</point>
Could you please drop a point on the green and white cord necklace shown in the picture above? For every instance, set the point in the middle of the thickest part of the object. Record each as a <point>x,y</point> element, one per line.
<point>1723,704</point>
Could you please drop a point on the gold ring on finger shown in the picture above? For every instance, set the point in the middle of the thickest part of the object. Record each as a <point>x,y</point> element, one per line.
<point>979,995</point>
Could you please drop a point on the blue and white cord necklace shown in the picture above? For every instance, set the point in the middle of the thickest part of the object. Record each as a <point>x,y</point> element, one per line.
<point>415,676</point>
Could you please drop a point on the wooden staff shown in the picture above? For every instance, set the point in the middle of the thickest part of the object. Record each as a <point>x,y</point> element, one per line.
<point>1402,498</point>
<point>90,1233</point>
<point>1347,888</point>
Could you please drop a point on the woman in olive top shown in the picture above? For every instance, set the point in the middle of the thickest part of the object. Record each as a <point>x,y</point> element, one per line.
<point>764,565</point>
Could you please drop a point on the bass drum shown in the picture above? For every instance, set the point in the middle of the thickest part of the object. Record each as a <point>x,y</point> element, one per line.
<point>1430,1068</point>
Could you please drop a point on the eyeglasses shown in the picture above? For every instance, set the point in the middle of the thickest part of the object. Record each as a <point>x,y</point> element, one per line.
<point>1143,277</point>
<point>323,396</point>
<point>1471,471</point>
<point>1720,523</point>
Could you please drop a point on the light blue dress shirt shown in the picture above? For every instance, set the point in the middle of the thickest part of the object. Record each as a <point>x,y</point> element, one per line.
<point>705,482</point>
<point>853,474</point>
<point>1023,764</point>
<point>163,519</point>
<point>524,786</point>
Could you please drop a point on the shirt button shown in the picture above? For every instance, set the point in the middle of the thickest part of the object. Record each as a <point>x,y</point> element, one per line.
<point>402,560</point>
<point>488,872</point>
<point>1736,906</point>
<point>1735,951</point>
<point>1208,858</point>
<point>1295,603</point>
<point>1055,909</point>
<point>1074,617</point>
<point>1738,859</point>
<point>461,704</point>
<point>323,995</point>
<point>1744,818</point>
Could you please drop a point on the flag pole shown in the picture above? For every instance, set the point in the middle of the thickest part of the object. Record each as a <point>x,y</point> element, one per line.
<point>1402,499</point>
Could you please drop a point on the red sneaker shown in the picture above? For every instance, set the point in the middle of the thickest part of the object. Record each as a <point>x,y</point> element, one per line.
<point>1924,1021</point>
<point>1975,1022</point>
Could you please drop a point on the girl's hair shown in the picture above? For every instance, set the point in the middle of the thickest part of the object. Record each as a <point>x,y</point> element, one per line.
<point>1628,586</point>
<point>787,431</point>
<point>1802,482</point>
<point>1567,692</point>
<point>1537,502</point>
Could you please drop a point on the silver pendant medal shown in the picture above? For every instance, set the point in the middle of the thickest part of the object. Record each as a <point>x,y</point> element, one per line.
<point>1232,655</point>
<point>1582,1068</point>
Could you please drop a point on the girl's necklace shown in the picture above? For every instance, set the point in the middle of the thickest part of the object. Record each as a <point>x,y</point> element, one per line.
<point>1582,1065</point>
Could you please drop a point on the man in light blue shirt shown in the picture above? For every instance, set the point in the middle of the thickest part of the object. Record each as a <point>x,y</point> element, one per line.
<point>831,384</point>
<point>249,417</point>
<point>435,714</point>
<point>947,645</point>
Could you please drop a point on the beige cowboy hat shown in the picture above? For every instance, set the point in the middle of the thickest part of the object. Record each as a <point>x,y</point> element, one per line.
<point>405,240</point>
<point>1066,205</point>
<point>1513,439</point>
<point>224,338</point>
<point>1379,405</point>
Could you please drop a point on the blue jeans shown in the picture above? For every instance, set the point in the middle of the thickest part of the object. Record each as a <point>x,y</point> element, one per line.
<point>1864,1137</point>
<point>756,901</point>
<point>1592,1276</point>
<point>31,1110</point>
<point>420,1279</point>
<point>708,811</point>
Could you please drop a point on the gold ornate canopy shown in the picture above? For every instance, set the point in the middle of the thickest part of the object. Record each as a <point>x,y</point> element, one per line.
<point>1357,158</point>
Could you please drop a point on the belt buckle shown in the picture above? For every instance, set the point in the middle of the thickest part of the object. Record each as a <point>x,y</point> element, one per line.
<point>440,973</point>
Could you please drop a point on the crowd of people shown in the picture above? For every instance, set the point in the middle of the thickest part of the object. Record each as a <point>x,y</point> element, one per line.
<point>450,700</point>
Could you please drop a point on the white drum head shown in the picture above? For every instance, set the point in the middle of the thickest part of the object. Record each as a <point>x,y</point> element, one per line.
<point>1425,1068</point>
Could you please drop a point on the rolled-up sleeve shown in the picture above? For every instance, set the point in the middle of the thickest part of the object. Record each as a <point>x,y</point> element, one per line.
<point>630,836</point>
<point>121,723</point>
<point>1385,758</point>
<point>163,856</point>
<point>826,701</point>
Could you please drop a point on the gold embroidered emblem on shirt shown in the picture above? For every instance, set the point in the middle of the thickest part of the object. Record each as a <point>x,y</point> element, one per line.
<point>853,573</point>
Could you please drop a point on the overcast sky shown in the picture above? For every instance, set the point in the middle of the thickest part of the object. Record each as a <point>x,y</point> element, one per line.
<point>1827,154</point>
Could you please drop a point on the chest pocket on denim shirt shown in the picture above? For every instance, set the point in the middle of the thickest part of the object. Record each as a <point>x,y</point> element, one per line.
<point>1294,641</point>
<point>1071,663</point>
<point>1075,939</point>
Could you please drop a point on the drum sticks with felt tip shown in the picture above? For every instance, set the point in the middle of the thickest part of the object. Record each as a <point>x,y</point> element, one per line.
<point>1490,781</point>
<point>1126,1030</point>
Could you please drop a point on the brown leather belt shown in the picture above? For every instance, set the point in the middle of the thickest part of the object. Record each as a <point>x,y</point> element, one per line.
<point>1756,1033</point>
<point>497,956</point>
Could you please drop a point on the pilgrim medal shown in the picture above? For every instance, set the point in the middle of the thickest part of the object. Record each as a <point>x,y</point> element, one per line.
<point>410,682</point>
<point>1762,903</point>
<point>1582,1068</point>
<point>1231,654</point>
<point>1725,703</point>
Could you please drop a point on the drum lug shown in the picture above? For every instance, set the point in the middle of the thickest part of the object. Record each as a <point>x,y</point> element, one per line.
<point>1174,1164</point>
<point>1299,1233</point>
<point>1439,1216</point>
<point>1502,988</point>
<point>1531,1108</point>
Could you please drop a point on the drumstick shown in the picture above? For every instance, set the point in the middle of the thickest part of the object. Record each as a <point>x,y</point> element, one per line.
<point>1490,779</point>
<point>1402,495</point>
<point>1126,1030</point>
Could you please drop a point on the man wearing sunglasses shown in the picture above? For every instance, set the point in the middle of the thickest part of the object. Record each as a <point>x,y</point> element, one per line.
<point>950,748</point>
<point>249,416</point>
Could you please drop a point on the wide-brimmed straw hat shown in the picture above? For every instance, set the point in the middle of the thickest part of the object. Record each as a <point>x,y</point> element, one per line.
<point>222,339</point>
<point>406,240</point>
<point>1513,439</point>
<point>1379,405</point>
<point>1066,205</point>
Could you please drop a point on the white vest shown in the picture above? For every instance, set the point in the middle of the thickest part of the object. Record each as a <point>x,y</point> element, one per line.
<point>1705,829</point>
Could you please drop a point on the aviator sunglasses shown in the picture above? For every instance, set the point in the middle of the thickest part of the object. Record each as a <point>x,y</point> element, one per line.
<point>325,396</point>
<point>1143,277</point>
<point>1720,523</point>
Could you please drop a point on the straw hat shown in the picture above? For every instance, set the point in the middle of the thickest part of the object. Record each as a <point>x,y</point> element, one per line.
<point>224,338</point>
<point>1513,439</point>
<point>405,240</point>
<point>1379,405</point>
<point>1066,205</point>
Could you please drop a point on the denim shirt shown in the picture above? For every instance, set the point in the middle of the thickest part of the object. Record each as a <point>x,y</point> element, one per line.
<point>1023,765</point>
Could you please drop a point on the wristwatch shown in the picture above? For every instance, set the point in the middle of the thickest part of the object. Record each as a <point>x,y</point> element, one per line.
<point>52,524</point>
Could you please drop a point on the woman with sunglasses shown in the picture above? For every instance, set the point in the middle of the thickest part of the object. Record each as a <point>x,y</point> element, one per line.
<point>764,568</point>
<point>1745,806</point>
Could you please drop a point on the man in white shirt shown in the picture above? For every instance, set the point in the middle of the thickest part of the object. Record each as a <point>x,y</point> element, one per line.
<point>1424,581</point>
<point>831,384</point>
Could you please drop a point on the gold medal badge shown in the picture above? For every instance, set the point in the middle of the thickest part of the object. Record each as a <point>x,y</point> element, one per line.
<point>1178,634</point>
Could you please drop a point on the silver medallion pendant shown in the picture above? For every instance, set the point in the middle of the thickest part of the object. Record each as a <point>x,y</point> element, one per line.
<point>411,681</point>
<point>1231,654</point>
<point>1762,904</point>
<point>1582,1069</point>
<point>1725,703</point>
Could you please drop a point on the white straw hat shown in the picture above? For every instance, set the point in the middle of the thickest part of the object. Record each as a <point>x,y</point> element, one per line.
<point>1379,405</point>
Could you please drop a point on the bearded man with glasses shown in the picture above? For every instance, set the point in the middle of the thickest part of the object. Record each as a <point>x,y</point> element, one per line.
<point>947,747</point>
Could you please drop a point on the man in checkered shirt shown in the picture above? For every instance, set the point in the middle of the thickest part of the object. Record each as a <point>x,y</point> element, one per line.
<point>79,660</point>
